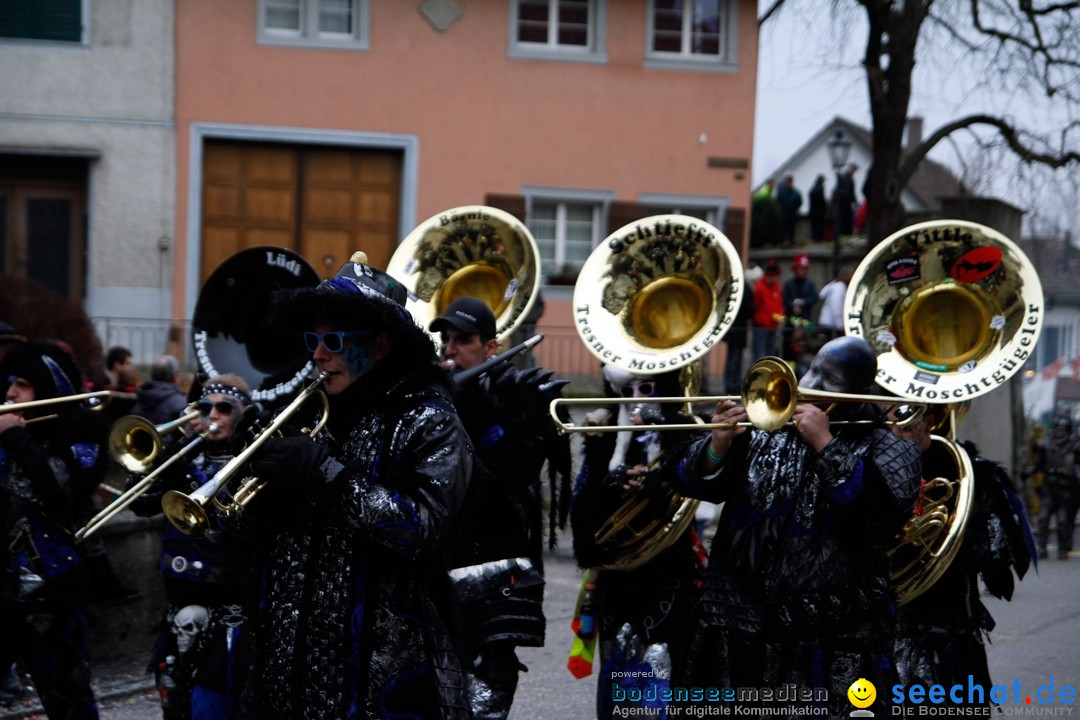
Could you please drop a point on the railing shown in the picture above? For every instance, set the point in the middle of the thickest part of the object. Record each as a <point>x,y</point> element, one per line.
<point>562,350</point>
<point>146,338</point>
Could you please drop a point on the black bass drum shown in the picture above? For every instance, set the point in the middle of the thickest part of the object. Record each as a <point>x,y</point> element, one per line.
<point>232,331</point>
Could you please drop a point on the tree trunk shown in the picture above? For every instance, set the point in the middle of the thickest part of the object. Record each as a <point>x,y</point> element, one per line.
<point>890,60</point>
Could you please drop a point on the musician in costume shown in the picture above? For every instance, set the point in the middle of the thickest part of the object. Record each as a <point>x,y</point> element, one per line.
<point>48,470</point>
<point>942,633</point>
<point>351,597</point>
<point>505,413</point>
<point>797,586</point>
<point>205,645</point>
<point>642,612</point>
<point>1059,495</point>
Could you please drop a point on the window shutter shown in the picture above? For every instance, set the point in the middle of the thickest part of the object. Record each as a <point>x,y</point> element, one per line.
<point>735,226</point>
<point>513,204</point>
<point>41,19</point>
<point>624,213</point>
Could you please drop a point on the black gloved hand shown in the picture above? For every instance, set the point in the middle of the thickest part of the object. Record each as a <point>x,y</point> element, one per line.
<point>294,462</point>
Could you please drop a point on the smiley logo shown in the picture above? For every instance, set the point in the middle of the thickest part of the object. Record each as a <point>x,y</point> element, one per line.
<point>862,693</point>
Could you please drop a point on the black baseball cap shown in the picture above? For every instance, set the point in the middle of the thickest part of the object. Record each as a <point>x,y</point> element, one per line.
<point>467,315</point>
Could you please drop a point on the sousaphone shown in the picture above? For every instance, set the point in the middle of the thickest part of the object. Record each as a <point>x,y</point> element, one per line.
<point>953,309</point>
<point>655,296</point>
<point>469,251</point>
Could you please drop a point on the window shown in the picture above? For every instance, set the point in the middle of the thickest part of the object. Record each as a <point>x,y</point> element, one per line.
<point>691,34</point>
<point>709,209</point>
<point>565,233</point>
<point>314,23</point>
<point>558,29</point>
<point>57,20</point>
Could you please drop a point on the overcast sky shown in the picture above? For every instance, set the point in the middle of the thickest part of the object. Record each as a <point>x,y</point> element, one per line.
<point>808,73</point>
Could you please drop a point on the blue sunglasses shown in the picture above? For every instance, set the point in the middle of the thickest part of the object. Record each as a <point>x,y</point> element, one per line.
<point>333,341</point>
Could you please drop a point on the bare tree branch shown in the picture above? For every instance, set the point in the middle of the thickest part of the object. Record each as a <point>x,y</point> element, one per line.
<point>777,4</point>
<point>1050,9</point>
<point>1008,133</point>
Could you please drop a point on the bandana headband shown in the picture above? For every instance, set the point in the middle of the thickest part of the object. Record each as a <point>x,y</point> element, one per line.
<point>235,392</point>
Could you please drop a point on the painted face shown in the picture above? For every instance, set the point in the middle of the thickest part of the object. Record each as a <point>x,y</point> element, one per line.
<point>842,365</point>
<point>638,388</point>
<point>466,350</point>
<point>225,411</point>
<point>19,391</point>
<point>345,367</point>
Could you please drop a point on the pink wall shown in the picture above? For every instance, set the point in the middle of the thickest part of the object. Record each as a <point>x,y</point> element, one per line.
<point>485,123</point>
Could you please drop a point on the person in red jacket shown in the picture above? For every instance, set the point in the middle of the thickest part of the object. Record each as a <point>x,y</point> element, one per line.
<point>768,311</point>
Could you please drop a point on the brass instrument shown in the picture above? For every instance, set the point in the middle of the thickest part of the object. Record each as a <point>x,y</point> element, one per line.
<point>135,442</point>
<point>102,396</point>
<point>770,394</point>
<point>466,375</point>
<point>656,295</point>
<point>188,513</point>
<point>931,538</point>
<point>129,496</point>
<point>953,309</point>
<point>470,251</point>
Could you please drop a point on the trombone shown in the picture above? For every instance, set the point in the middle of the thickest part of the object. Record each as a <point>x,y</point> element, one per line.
<point>188,513</point>
<point>135,442</point>
<point>102,396</point>
<point>770,394</point>
<point>129,496</point>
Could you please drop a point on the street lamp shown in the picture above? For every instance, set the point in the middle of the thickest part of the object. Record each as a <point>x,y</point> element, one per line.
<point>839,145</point>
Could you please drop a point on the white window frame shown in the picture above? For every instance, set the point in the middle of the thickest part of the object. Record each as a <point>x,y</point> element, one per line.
<point>308,34</point>
<point>685,59</point>
<point>662,203</point>
<point>601,202</point>
<point>593,52</point>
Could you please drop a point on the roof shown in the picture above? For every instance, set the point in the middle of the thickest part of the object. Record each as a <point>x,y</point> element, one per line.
<point>1057,264</point>
<point>930,181</point>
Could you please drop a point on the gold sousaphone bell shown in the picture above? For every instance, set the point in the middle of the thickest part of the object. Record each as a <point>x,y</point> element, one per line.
<point>658,294</point>
<point>655,296</point>
<point>953,310</point>
<point>469,251</point>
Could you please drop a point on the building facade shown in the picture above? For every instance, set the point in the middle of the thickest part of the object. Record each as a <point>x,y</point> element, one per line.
<point>175,134</point>
<point>87,159</point>
<point>328,127</point>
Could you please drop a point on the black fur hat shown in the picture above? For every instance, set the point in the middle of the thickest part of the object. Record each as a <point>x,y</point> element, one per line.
<point>48,368</point>
<point>359,297</point>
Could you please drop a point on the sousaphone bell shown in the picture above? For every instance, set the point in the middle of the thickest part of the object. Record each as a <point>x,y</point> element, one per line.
<point>469,251</point>
<point>953,310</point>
<point>656,295</point>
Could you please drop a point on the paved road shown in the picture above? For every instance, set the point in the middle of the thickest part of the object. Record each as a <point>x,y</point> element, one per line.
<point>1036,642</point>
<point>1037,637</point>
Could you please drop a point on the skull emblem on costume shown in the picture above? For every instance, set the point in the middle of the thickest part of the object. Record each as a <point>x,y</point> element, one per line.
<point>188,623</point>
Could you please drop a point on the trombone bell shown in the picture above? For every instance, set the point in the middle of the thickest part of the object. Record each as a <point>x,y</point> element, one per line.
<point>186,513</point>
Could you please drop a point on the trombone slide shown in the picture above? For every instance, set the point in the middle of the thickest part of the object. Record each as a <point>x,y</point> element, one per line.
<point>569,427</point>
<point>121,503</point>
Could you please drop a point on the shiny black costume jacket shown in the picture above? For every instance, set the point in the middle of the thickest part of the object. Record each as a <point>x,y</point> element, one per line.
<point>349,626</point>
<point>48,472</point>
<point>796,590</point>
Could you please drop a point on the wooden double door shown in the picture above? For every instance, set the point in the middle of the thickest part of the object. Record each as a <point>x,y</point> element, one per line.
<point>323,202</point>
